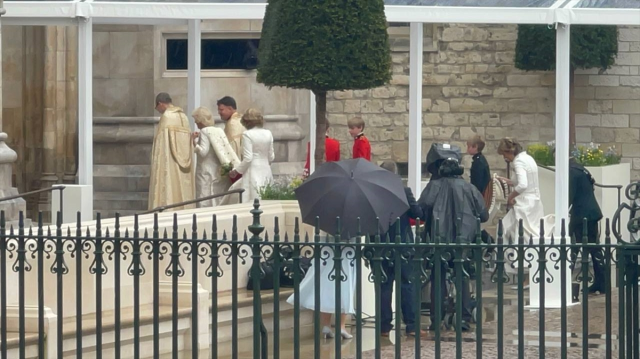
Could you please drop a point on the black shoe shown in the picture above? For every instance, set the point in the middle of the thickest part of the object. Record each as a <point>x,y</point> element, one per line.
<point>596,289</point>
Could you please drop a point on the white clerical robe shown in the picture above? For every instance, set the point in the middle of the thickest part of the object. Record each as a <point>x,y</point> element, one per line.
<point>172,179</point>
<point>234,130</point>
<point>213,151</point>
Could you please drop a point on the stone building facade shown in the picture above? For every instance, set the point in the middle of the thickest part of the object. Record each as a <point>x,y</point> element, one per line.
<point>470,85</point>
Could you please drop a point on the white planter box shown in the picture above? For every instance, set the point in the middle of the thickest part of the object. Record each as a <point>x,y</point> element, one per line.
<point>607,198</point>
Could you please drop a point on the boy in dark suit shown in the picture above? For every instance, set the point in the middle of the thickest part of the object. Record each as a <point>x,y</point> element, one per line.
<point>386,290</point>
<point>585,206</point>
<point>480,175</point>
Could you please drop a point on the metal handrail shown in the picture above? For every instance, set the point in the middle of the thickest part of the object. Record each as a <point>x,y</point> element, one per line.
<point>605,186</point>
<point>27,194</point>
<point>239,191</point>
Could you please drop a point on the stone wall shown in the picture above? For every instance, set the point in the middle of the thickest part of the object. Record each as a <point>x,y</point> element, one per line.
<point>470,85</point>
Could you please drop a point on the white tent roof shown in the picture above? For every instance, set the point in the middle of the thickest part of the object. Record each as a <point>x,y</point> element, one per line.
<point>613,12</point>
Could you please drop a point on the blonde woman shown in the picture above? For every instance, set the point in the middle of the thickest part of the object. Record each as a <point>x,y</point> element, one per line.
<point>524,199</point>
<point>214,151</point>
<point>257,155</point>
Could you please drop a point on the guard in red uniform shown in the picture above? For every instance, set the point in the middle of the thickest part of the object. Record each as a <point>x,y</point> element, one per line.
<point>361,145</point>
<point>331,150</point>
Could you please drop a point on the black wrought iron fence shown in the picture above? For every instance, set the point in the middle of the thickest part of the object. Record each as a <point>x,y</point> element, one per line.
<point>134,292</point>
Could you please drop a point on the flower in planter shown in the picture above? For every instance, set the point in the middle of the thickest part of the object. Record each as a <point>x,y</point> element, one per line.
<point>588,156</point>
<point>281,189</point>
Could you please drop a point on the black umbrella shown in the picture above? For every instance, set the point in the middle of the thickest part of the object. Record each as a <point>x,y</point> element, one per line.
<point>352,189</point>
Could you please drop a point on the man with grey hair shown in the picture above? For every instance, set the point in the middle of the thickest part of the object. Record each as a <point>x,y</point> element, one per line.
<point>386,292</point>
<point>172,179</point>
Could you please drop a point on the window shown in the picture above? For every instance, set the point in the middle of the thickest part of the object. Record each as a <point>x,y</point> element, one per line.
<point>216,54</point>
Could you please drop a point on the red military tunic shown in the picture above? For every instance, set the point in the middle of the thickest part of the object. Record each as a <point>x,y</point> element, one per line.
<point>362,147</point>
<point>331,151</point>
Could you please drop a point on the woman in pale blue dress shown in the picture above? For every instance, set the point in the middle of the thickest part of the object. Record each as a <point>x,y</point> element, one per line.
<point>328,288</point>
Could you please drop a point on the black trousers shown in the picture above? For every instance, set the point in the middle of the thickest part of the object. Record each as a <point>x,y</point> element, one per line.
<point>407,297</point>
<point>466,295</point>
<point>597,255</point>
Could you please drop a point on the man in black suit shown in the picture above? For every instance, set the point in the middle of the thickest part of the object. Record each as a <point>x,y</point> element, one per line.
<point>584,206</point>
<point>407,305</point>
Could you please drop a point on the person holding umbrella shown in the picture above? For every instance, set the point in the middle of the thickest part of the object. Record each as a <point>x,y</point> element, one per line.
<point>386,290</point>
<point>456,205</point>
<point>346,198</point>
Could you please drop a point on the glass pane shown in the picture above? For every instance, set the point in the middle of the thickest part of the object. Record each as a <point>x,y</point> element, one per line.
<point>229,54</point>
<point>177,52</point>
<point>609,4</point>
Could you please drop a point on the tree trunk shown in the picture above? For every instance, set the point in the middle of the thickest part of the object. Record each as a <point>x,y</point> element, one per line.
<point>321,126</point>
<point>572,112</point>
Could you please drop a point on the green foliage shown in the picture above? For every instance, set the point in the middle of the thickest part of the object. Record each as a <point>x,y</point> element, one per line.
<point>588,156</point>
<point>543,154</point>
<point>591,47</point>
<point>324,45</point>
<point>281,190</point>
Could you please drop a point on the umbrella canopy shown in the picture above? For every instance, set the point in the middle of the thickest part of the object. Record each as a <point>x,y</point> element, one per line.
<point>352,189</point>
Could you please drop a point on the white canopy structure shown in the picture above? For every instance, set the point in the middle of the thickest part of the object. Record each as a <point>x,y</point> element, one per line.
<point>561,14</point>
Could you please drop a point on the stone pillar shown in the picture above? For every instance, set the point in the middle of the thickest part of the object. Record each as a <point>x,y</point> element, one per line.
<point>71,126</point>
<point>7,158</point>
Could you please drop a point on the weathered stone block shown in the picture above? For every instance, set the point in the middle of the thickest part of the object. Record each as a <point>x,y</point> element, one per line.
<point>400,80</point>
<point>505,57</point>
<point>342,95</point>
<point>496,105</point>
<point>626,106</point>
<point>370,106</point>
<point>337,119</point>
<point>440,106</point>
<point>630,81</point>
<point>602,80</point>
<point>380,92</point>
<point>468,132</point>
<point>618,70</point>
<point>628,34</point>
<point>539,92</point>
<point>400,57</point>
<point>476,68</point>
<point>523,80</point>
<point>585,93</point>
<point>460,46</point>
<point>381,150</point>
<point>395,106</point>
<point>503,69</point>
<point>485,119</point>
<point>444,133</point>
<point>603,134</point>
<point>522,105</point>
<point>466,105</point>
<point>628,58</point>
<point>509,92</point>
<point>400,151</point>
<point>615,120</point>
<point>360,93</point>
<point>583,120</point>
<point>455,119</point>
<point>627,135</point>
<point>634,120</point>
<point>475,34</point>
<point>438,80</point>
<point>465,80</point>
<point>617,93</point>
<point>452,34</point>
<point>335,107</point>
<point>600,106</point>
<point>630,149</point>
<point>377,120</point>
<point>427,133</point>
<point>450,69</point>
<point>510,34</point>
<point>583,134</point>
<point>492,79</point>
<point>426,104</point>
<point>431,119</point>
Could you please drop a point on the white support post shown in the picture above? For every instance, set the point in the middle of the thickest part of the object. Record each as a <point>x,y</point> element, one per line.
<point>312,132</point>
<point>85,102</point>
<point>415,107</point>
<point>563,67</point>
<point>193,69</point>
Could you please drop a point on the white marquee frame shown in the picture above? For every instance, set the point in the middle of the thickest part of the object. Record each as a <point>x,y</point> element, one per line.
<point>562,14</point>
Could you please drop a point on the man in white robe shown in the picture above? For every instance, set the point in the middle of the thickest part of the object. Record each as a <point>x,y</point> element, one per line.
<point>172,179</point>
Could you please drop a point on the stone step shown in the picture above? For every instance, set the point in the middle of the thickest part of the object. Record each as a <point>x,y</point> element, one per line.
<point>112,213</point>
<point>121,170</point>
<point>120,184</point>
<point>13,343</point>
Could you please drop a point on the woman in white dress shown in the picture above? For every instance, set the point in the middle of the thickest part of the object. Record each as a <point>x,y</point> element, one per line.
<point>213,150</point>
<point>328,289</point>
<point>524,199</point>
<point>257,155</point>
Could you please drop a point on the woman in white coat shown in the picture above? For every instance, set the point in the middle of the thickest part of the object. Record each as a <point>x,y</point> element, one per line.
<point>257,155</point>
<point>524,199</point>
<point>214,151</point>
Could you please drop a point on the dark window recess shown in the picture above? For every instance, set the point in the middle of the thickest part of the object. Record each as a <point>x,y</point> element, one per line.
<point>217,54</point>
<point>403,169</point>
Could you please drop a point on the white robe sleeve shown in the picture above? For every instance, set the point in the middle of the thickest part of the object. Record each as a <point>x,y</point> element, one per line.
<point>203,146</point>
<point>521,177</point>
<point>247,154</point>
<point>272,155</point>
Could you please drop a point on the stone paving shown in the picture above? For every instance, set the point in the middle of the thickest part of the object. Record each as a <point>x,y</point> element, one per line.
<point>596,334</point>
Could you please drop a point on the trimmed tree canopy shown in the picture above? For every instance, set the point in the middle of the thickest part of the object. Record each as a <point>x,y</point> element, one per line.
<point>324,45</point>
<point>591,47</point>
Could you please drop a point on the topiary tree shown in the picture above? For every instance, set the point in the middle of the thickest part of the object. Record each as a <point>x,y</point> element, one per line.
<point>591,47</point>
<point>324,45</point>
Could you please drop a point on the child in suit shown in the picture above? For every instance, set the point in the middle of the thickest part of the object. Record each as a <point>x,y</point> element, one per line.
<point>331,150</point>
<point>361,146</point>
<point>480,175</point>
